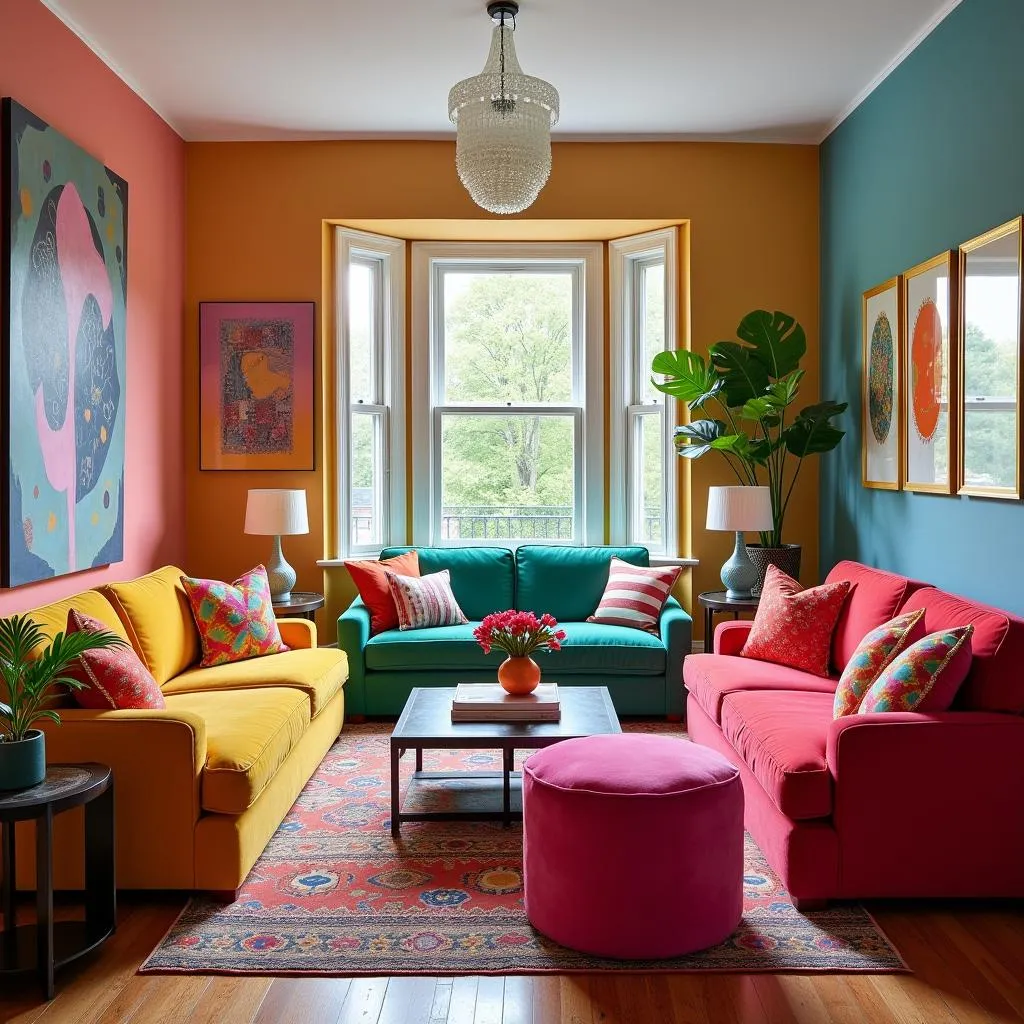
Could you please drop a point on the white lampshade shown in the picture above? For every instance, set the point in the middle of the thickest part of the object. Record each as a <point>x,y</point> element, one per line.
<point>739,508</point>
<point>271,512</point>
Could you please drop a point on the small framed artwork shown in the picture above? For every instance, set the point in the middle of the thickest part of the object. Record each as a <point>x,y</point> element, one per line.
<point>928,427</point>
<point>882,342</point>
<point>256,366</point>
<point>990,356</point>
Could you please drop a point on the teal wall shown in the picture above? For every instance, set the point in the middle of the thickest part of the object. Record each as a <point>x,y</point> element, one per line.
<point>932,157</point>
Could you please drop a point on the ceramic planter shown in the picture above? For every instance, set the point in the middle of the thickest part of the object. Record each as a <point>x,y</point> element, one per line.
<point>23,763</point>
<point>786,558</point>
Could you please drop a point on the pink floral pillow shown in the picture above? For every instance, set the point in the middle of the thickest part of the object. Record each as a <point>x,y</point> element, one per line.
<point>873,654</point>
<point>235,620</point>
<point>925,677</point>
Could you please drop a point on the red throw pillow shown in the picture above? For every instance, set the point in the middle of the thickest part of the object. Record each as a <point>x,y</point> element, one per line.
<point>793,626</point>
<point>115,678</point>
<point>371,579</point>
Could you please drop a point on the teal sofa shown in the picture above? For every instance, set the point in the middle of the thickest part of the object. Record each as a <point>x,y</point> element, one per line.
<point>643,672</point>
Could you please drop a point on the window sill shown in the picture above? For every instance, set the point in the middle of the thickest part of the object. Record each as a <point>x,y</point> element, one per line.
<point>685,562</point>
<point>337,563</point>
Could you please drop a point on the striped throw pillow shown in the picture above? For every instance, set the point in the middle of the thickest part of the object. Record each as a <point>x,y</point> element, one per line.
<point>423,601</point>
<point>635,595</point>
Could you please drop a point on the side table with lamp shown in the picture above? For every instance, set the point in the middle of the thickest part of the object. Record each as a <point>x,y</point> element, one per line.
<point>737,509</point>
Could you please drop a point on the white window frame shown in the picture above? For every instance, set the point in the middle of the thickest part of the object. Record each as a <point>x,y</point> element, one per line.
<point>628,372</point>
<point>387,256</point>
<point>429,260</point>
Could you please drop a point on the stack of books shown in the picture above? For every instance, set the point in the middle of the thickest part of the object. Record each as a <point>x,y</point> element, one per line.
<point>488,702</point>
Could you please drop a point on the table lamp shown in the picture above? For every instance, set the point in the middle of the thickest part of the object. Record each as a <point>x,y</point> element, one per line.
<point>274,513</point>
<point>739,509</point>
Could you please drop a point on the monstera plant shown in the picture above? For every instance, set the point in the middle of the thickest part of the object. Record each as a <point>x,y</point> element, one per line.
<point>746,393</point>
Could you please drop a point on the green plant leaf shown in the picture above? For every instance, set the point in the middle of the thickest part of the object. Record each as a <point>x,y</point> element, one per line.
<point>812,432</point>
<point>734,444</point>
<point>762,448</point>
<point>744,377</point>
<point>690,379</point>
<point>694,440</point>
<point>762,409</point>
<point>777,341</point>
<point>784,390</point>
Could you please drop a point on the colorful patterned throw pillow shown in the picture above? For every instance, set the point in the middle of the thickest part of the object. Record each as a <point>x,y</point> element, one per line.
<point>873,654</point>
<point>423,601</point>
<point>635,595</point>
<point>793,626</point>
<point>235,620</point>
<point>115,678</point>
<point>925,677</point>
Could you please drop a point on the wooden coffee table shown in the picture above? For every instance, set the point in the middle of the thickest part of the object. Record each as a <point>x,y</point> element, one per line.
<point>426,724</point>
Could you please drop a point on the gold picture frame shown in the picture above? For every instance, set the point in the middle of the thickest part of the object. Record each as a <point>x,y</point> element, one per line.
<point>930,294</point>
<point>990,325</point>
<point>881,462</point>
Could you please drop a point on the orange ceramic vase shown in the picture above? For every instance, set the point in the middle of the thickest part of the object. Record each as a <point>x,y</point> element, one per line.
<point>519,675</point>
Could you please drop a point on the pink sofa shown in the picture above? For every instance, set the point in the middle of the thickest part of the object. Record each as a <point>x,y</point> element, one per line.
<point>879,805</point>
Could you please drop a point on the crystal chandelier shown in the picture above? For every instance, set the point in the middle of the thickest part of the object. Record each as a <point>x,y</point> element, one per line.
<point>504,120</point>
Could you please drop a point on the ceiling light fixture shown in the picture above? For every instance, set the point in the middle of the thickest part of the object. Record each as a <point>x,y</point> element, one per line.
<point>504,120</point>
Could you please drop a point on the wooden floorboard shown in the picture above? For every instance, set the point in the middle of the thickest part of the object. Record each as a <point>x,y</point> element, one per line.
<point>967,964</point>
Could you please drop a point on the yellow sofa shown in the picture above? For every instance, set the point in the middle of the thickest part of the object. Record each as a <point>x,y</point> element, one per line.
<point>201,786</point>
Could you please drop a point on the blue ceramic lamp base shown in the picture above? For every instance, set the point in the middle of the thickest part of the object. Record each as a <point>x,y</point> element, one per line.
<point>280,574</point>
<point>739,574</point>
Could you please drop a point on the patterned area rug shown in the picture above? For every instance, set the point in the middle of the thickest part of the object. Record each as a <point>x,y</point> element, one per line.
<point>334,894</point>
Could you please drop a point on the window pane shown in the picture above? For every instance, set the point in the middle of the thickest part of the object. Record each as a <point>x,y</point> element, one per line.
<point>648,481</point>
<point>507,478</point>
<point>361,308</point>
<point>367,477</point>
<point>990,447</point>
<point>508,337</point>
<point>652,325</point>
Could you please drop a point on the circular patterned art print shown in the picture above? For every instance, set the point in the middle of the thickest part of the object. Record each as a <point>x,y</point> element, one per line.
<point>880,379</point>
<point>926,369</point>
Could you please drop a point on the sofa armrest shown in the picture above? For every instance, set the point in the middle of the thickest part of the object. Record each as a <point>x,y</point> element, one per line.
<point>298,633</point>
<point>157,759</point>
<point>353,635</point>
<point>731,636</point>
<point>676,629</point>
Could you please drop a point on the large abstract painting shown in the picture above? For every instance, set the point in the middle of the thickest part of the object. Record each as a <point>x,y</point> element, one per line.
<point>65,287</point>
<point>256,385</point>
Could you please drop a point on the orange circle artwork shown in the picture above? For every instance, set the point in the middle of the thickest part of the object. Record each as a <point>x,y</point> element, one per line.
<point>926,369</point>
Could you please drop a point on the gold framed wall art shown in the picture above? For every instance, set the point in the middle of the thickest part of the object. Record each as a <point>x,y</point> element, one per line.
<point>882,386</point>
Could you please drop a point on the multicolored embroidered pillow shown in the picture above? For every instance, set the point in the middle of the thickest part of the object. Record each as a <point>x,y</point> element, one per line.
<point>635,595</point>
<point>235,620</point>
<point>924,677</point>
<point>423,601</point>
<point>115,678</point>
<point>793,626</point>
<point>873,654</point>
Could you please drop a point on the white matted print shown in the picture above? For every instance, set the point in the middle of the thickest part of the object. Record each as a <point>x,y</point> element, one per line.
<point>929,313</point>
<point>882,386</point>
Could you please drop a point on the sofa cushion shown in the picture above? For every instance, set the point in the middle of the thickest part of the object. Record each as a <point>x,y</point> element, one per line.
<point>249,735</point>
<point>319,672</point>
<point>425,601</point>
<point>566,581</point>
<point>53,618</point>
<point>781,737</point>
<point>482,579</point>
<point>995,681</point>
<point>875,596</point>
<point>635,595</point>
<point>370,577</point>
<point>154,610</point>
<point>588,648</point>
<point>710,678</point>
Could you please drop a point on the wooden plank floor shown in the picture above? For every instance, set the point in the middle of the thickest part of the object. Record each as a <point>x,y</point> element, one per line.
<point>968,964</point>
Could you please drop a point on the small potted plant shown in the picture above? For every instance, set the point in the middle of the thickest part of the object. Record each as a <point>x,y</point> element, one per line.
<point>519,634</point>
<point>29,675</point>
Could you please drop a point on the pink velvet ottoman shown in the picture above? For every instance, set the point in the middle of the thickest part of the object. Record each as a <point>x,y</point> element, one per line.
<point>633,845</point>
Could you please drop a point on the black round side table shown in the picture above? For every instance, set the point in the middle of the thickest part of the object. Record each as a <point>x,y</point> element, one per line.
<point>302,604</point>
<point>48,944</point>
<point>716,601</point>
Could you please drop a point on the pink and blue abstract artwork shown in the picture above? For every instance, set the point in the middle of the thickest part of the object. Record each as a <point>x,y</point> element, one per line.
<point>65,287</point>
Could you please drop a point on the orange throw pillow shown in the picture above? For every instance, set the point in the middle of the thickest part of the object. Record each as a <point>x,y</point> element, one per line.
<point>371,579</point>
<point>793,626</point>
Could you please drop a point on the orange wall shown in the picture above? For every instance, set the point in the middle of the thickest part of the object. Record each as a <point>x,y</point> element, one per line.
<point>48,69</point>
<point>255,215</point>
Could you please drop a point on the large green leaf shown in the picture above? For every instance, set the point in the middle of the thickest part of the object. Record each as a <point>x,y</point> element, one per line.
<point>812,432</point>
<point>785,389</point>
<point>776,340</point>
<point>689,378</point>
<point>696,439</point>
<point>733,444</point>
<point>745,378</point>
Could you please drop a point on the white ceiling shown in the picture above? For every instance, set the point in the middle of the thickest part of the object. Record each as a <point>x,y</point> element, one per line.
<point>777,70</point>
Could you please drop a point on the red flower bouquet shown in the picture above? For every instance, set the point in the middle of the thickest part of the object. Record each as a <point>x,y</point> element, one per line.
<point>519,634</point>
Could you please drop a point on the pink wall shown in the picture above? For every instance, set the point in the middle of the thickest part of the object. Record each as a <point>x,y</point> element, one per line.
<point>45,67</point>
